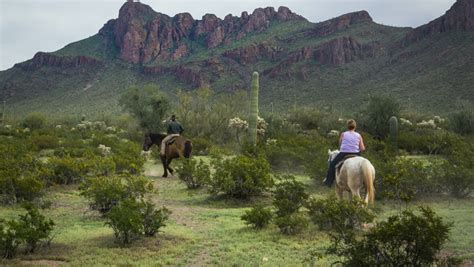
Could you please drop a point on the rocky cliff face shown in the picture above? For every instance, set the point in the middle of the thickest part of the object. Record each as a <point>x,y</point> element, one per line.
<point>340,23</point>
<point>336,52</point>
<point>143,35</point>
<point>460,17</point>
<point>45,59</point>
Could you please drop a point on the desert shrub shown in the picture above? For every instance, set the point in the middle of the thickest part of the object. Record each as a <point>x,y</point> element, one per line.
<point>34,121</point>
<point>34,228</point>
<point>19,173</point>
<point>292,224</point>
<point>66,170</point>
<point>407,179</point>
<point>425,141</point>
<point>201,146</point>
<point>28,187</point>
<point>406,239</point>
<point>98,165</point>
<point>205,114</point>
<point>306,152</point>
<point>9,239</point>
<point>289,196</point>
<point>240,176</point>
<point>258,217</point>
<point>462,122</point>
<point>148,105</point>
<point>44,141</point>
<point>125,219</point>
<point>193,173</point>
<point>331,213</point>
<point>127,158</point>
<point>377,113</point>
<point>457,172</point>
<point>105,192</point>
<point>131,219</point>
<point>153,219</point>
<point>30,229</point>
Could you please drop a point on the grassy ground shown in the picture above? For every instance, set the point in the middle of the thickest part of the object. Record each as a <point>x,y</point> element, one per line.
<point>201,231</point>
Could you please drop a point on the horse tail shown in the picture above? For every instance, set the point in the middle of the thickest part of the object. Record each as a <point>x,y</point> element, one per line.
<point>369,176</point>
<point>188,147</point>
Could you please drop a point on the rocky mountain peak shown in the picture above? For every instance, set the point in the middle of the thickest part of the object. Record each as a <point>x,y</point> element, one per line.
<point>143,35</point>
<point>460,17</point>
<point>340,23</point>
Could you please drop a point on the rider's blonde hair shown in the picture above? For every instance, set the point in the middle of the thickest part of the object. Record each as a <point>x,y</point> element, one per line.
<point>351,124</point>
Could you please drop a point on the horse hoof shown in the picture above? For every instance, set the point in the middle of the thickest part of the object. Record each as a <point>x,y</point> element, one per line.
<point>164,176</point>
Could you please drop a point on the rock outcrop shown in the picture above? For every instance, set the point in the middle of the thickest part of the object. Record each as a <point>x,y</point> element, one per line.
<point>45,59</point>
<point>340,23</point>
<point>143,35</point>
<point>182,73</point>
<point>335,52</point>
<point>460,17</point>
<point>254,52</point>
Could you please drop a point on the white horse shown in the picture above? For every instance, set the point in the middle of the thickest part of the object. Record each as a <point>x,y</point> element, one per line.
<point>353,173</point>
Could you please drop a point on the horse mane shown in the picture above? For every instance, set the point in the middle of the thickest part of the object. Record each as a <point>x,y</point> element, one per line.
<point>156,138</point>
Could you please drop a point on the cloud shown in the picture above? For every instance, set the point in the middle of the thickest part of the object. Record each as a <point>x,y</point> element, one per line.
<point>29,26</point>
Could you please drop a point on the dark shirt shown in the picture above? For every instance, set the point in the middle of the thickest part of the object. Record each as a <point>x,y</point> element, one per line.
<point>174,127</point>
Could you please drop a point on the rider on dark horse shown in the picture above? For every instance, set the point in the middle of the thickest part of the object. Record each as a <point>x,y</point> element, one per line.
<point>351,143</point>
<point>174,129</point>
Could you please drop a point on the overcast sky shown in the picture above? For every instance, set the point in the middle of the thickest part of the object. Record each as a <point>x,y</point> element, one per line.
<point>29,26</point>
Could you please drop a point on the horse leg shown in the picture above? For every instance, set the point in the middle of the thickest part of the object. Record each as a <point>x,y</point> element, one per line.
<point>165,166</point>
<point>168,162</point>
<point>339,192</point>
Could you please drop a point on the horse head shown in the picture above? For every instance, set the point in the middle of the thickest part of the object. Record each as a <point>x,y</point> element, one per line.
<point>147,142</point>
<point>332,154</point>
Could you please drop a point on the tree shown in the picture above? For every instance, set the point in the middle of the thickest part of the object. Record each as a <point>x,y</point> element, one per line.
<point>378,113</point>
<point>148,105</point>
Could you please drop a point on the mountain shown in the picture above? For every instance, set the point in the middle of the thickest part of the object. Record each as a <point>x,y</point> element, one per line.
<point>333,64</point>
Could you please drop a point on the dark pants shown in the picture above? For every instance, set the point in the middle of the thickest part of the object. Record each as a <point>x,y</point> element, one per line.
<point>331,176</point>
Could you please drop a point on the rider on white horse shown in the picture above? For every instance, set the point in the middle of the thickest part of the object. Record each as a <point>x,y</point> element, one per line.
<point>351,143</point>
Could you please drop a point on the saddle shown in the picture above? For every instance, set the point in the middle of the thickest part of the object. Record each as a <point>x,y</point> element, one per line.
<point>172,140</point>
<point>339,165</point>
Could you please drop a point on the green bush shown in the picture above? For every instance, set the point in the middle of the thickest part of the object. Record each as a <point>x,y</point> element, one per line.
<point>407,239</point>
<point>131,219</point>
<point>34,121</point>
<point>193,173</point>
<point>105,192</point>
<point>292,224</point>
<point>19,173</point>
<point>289,196</point>
<point>331,213</point>
<point>457,172</point>
<point>34,227</point>
<point>462,122</point>
<point>377,114</point>
<point>66,170</point>
<point>44,141</point>
<point>127,158</point>
<point>30,229</point>
<point>240,176</point>
<point>9,239</point>
<point>201,146</point>
<point>153,219</point>
<point>407,179</point>
<point>98,165</point>
<point>258,217</point>
<point>126,220</point>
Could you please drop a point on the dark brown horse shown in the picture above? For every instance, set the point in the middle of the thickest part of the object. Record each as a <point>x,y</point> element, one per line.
<point>181,147</point>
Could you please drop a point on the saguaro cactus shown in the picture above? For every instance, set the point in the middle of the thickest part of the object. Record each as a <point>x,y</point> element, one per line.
<point>393,123</point>
<point>253,116</point>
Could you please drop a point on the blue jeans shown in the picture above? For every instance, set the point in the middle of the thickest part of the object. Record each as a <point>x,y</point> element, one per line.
<point>331,175</point>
